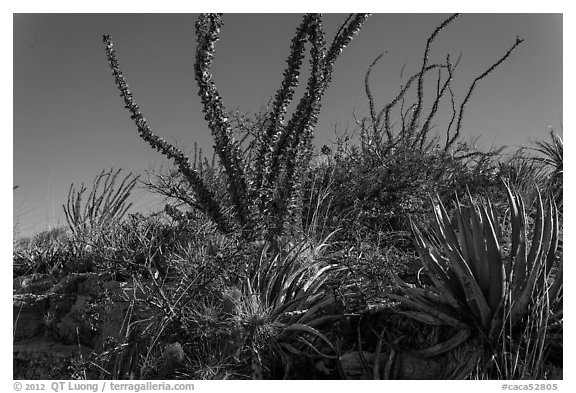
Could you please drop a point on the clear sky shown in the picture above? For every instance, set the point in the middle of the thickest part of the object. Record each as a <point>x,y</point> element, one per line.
<point>69,122</point>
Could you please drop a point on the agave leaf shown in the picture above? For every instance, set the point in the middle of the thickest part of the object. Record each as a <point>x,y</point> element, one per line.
<point>444,224</point>
<point>443,262</point>
<point>303,309</point>
<point>432,297</point>
<point>521,302</point>
<point>298,327</point>
<point>424,317</point>
<point>519,258</point>
<point>303,280</point>
<point>425,296</point>
<point>520,266</point>
<point>324,243</point>
<point>318,282</point>
<point>546,246</point>
<point>413,298</point>
<point>270,279</point>
<point>465,282</point>
<point>322,320</point>
<point>445,346</point>
<point>555,289</point>
<point>551,257</point>
<point>498,320</point>
<point>290,348</point>
<point>276,286</point>
<point>376,365</point>
<point>516,221</point>
<point>493,218</point>
<point>430,259</point>
<point>548,234</point>
<point>445,290</point>
<point>432,310</point>
<point>472,291</point>
<point>535,248</point>
<point>318,278</point>
<point>271,288</point>
<point>313,311</point>
<point>465,235</point>
<point>480,264</point>
<point>495,264</point>
<point>266,264</point>
<point>313,347</point>
<point>286,281</point>
<point>559,308</point>
<point>464,371</point>
<point>436,222</point>
<point>439,319</point>
<point>428,296</point>
<point>295,283</point>
<point>295,305</point>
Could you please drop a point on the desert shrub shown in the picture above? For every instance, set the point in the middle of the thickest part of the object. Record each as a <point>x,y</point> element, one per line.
<point>45,252</point>
<point>153,245</point>
<point>369,196</point>
<point>244,331</point>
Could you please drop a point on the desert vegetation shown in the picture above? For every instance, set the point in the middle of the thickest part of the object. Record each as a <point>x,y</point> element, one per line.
<point>403,253</point>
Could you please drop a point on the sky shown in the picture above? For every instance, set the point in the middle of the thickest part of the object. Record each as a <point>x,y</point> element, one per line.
<point>69,122</point>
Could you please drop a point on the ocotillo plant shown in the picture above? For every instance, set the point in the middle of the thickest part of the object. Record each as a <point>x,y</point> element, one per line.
<point>262,195</point>
<point>415,122</point>
<point>103,208</point>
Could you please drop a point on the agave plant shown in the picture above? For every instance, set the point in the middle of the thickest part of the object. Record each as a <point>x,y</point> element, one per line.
<point>552,161</point>
<point>285,301</point>
<point>478,285</point>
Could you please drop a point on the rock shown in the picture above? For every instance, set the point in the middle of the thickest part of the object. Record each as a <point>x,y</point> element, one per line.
<point>173,355</point>
<point>32,283</point>
<point>45,358</point>
<point>82,310</point>
<point>72,282</point>
<point>29,313</point>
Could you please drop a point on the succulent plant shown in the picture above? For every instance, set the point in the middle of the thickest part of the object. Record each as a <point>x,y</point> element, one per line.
<point>477,285</point>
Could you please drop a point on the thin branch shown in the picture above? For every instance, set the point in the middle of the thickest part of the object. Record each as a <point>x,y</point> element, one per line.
<point>373,116</point>
<point>386,110</point>
<point>440,91</point>
<point>204,195</point>
<point>418,109</point>
<point>207,29</point>
<point>471,89</point>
